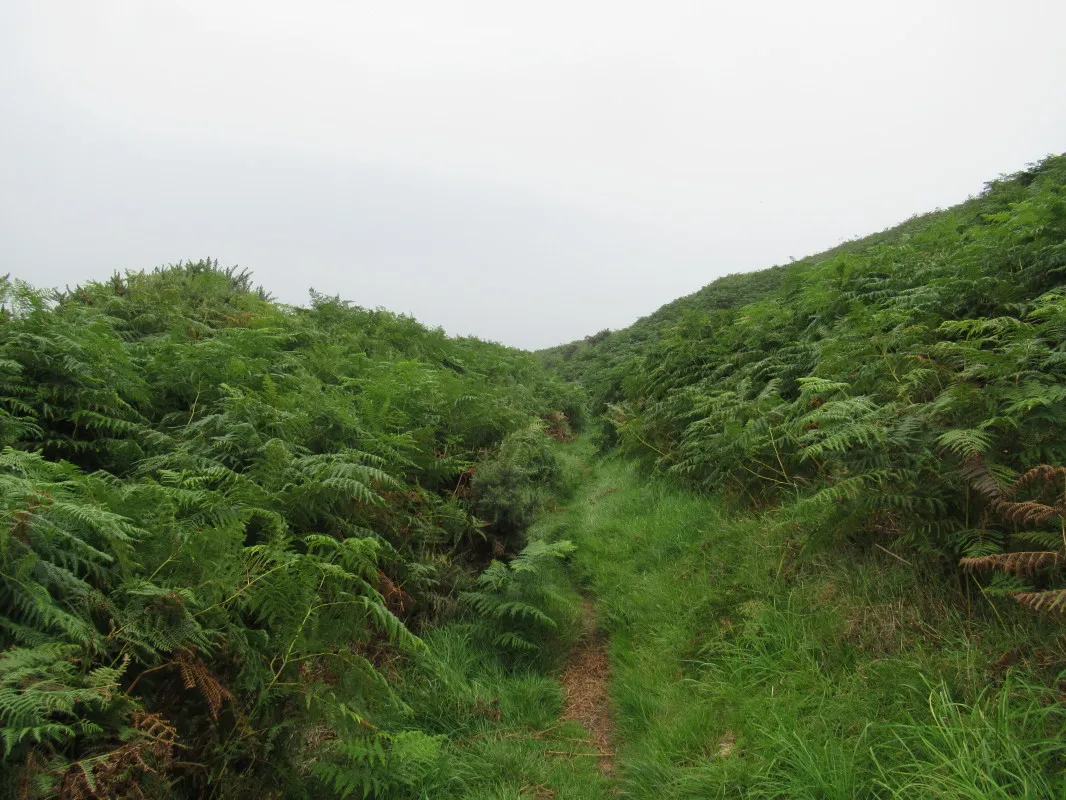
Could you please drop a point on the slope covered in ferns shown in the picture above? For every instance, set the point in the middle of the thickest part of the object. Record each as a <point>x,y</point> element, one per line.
<point>897,385</point>
<point>225,523</point>
<point>250,549</point>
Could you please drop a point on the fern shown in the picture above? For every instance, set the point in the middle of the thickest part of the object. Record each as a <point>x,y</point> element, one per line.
<point>1021,564</point>
<point>203,492</point>
<point>1050,601</point>
<point>509,600</point>
<point>381,766</point>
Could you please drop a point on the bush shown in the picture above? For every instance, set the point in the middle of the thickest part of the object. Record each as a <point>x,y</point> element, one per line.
<point>512,487</point>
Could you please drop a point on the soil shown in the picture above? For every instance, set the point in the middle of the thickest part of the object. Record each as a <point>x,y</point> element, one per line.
<point>587,701</point>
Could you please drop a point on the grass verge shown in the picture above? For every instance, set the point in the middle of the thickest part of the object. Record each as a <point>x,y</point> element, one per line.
<point>744,666</point>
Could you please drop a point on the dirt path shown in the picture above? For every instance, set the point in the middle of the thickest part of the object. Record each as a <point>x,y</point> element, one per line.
<point>585,683</point>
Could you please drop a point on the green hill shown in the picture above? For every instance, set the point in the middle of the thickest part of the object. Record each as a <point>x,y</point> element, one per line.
<point>904,380</point>
<point>601,361</point>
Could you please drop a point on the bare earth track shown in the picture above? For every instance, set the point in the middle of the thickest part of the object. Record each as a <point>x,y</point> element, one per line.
<point>587,702</point>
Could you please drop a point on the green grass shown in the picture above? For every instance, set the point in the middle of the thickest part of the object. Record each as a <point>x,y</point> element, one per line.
<point>498,712</point>
<point>493,714</point>
<point>743,667</point>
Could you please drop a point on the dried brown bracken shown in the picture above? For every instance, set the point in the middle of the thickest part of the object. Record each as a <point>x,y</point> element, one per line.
<point>195,675</point>
<point>1045,473</point>
<point>559,427</point>
<point>1028,512</point>
<point>396,599</point>
<point>1054,600</point>
<point>1040,482</point>
<point>1019,564</point>
<point>120,773</point>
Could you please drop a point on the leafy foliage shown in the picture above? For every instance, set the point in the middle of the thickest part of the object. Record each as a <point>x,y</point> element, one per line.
<point>223,522</point>
<point>514,599</point>
<point>869,380</point>
<point>513,486</point>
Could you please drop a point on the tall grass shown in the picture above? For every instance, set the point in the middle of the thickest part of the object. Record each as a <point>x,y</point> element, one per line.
<point>748,665</point>
<point>493,715</point>
<point>497,711</point>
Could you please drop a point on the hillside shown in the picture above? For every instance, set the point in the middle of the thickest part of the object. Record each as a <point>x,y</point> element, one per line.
<point>848,571</point>
<point>908,377</point>
<point>600,361</point>
<point>748,658</point>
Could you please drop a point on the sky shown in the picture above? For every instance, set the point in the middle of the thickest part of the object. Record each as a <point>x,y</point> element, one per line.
<point>529,173</point>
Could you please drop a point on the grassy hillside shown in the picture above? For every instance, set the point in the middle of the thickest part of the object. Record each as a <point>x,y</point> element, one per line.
<point>601,361</point>
<point>845,580</point>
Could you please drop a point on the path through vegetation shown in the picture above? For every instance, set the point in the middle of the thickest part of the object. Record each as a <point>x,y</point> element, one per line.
<point>585,683</point>
<point>718,661</point>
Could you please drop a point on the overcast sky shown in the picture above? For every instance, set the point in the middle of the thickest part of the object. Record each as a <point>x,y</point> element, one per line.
<point>526,172</point>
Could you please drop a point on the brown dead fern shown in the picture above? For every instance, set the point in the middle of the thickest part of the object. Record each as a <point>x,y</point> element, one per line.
<point>1028,512</point>
<point>1044,474</point>
<point>121,772</point>
<point>1051,601</point>
<point>396,599</point>
<point>1045,486</point>
<point>1044,482</point>
<point>195,675</point>
<point>1021,565</point>
<point>558,427</point>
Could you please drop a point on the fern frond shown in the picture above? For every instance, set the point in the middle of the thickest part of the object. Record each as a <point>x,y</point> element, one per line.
<point>1021,564</point>
<point>1050,601</point>
<point>1028,512</point>
<point>969,443</point>
<point>196,675</point>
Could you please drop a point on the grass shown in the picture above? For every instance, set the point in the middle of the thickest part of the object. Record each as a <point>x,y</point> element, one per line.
<point>494,715</point>
<point>498,713</point>
<point>744,663</point>
<point>743,667</point>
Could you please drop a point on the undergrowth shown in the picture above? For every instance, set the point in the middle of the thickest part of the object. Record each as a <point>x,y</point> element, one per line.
<point>750,662</point>
<point>226,525</point>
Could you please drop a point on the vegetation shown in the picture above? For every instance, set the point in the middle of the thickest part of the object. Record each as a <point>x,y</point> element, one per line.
<point>908,387</point>
<point>255,550</point>
<point>877,436</point>
<point>226,520</point>
<point>743,667</point>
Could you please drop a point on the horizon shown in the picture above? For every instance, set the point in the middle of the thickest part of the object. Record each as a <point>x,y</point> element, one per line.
<point>527,177</point>
<point>251,273</point>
